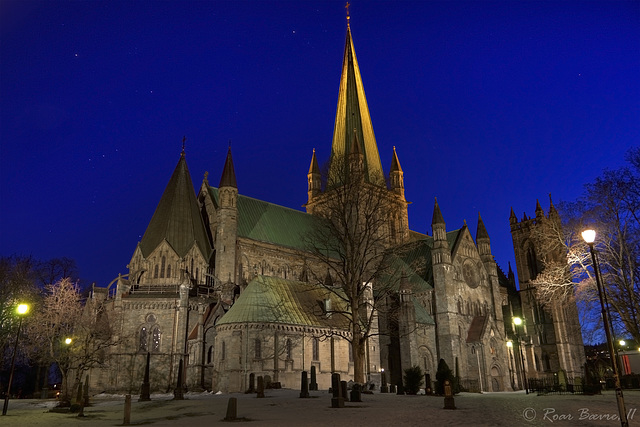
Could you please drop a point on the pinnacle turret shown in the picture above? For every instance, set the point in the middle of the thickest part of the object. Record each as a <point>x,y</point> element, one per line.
<point>481,232</point>
<point>437,215</point>
<point>228,178</point>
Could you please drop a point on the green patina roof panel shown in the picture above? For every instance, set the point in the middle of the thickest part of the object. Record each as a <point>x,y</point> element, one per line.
<point>275,300</point>
<point>422,315</point>
<point>267,222</point>
<point>177,218</point>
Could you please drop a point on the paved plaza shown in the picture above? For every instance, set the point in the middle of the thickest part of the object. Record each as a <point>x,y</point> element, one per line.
<point>285,408</point>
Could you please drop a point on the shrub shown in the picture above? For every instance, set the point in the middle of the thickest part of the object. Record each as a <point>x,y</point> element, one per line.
<point>444,373</point>
<point>413,379</point>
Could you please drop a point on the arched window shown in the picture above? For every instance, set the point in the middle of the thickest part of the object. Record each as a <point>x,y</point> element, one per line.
<point>191,266</point>
<point>155,343</point>
<point>169,271</point>
<point>316,349</point>
<point>210,354</point>
<point>257,348</point>
<point>155,272</point>
<point>350,352</point>
<point>532,263</point>
<point>224,351</point>
<point>289,352</point>
<point>144,336</point>
<point>162,266</point>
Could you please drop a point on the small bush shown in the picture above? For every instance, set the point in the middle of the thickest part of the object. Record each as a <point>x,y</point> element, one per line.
<point>413,379</point>
<point>444,373</point>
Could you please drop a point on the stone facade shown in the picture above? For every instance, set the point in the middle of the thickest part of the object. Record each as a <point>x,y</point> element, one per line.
<point>221,281</point>
<point>552,339</point>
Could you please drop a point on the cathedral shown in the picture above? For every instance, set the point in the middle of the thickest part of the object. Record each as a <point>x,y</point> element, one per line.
<point>219,287</point>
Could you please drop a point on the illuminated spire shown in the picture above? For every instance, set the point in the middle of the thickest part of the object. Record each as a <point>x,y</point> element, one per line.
<point>353,113</point>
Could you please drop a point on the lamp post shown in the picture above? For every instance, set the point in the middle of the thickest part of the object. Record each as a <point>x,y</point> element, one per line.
<point>518,321</point>
<point>511,363</point>
<point>589,236</point>
<point>22,310</point>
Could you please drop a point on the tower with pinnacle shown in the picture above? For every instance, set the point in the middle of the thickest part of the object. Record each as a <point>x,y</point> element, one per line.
<point>553,335</point>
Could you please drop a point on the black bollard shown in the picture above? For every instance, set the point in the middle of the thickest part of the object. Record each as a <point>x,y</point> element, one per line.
<point>304,386</point>
<point>127,410</point>
<point>145,390</point>
<point>384,388</point>
<point>356,393</point>
<point>232,409</point>
<point>314,385</point>
<point>252,383</point>
<point>260,387</point>
<point>337,401</point>
<point>178,392</point>
<point>343,390</point>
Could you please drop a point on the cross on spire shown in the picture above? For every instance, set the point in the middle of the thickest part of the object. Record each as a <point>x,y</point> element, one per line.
<point>348,17</point>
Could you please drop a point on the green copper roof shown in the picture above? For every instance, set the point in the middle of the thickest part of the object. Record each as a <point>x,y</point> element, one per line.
<point>267,222</point>
<point>353,113</point>
<point>276,300</point>
<point>414,260</point>
<point>177,218</point>
<point>422,315</point>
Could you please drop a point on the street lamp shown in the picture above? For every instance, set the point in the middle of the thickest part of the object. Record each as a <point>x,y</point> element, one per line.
<point>518,321</point>
<point>589,236</point>
<point>22,310</point>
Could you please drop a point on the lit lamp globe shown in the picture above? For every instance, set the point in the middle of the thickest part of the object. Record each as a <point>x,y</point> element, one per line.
<point>623,343</point>
<point>22,309</point>
<point>517,321</point>
<point>509,343</point>
<point>589,236</point>
<point>67,341</point>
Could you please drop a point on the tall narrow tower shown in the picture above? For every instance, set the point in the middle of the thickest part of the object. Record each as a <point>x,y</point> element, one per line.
<point>227,231</point>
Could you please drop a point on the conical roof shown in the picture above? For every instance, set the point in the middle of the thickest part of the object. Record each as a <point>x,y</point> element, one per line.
<point>353,113</point>
<point>314,168</point>
<point>395,163</point>
<point>437,215</point>
<point>228,178</point>
<point>481,232</point>
<point>177,218</point>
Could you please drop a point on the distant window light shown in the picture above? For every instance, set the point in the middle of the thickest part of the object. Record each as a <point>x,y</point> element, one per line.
<point>144,336</point>
<point>155,344</point>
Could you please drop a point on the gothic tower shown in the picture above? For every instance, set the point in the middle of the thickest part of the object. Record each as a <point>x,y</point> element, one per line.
<point>227,229</point>
<point>443,271</point>
<point>551,328</point>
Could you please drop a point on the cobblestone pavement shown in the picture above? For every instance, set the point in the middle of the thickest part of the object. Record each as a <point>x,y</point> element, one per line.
<point>285,408</point>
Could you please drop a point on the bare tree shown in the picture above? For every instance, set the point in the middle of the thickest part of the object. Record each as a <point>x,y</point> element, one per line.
<point>611,206</point>
<point>17,285</point>
<point>352,244</point>
<point>55,269</point>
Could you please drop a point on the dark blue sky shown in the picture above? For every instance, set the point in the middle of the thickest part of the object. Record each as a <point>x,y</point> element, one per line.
<point>491,105</point>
